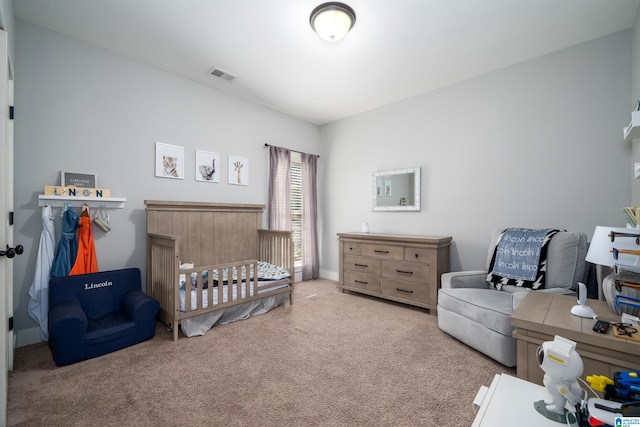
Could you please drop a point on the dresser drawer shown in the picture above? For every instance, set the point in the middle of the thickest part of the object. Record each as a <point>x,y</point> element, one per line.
<point>352,248</point>
<point>406,290</point>
<point>420,255</point>
<point>406,271</point>
<point>362,264</point>
<point>382,251</point>
<point>362,281</point>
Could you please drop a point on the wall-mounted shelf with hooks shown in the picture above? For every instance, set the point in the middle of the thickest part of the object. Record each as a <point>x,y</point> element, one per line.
<point>77,202</point>
<point>633,130</point>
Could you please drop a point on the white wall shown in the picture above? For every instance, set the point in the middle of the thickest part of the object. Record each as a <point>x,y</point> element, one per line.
<point>538,144</point>
<point>8,25</point>
<point>83,109</point>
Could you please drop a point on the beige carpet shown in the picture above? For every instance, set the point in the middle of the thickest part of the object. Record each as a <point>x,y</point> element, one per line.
<point>330,359</point>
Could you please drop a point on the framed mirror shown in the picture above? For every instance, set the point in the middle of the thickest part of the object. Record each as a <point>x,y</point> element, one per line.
<point>396,190</point>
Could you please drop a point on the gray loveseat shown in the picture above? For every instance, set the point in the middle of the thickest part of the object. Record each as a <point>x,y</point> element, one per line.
<point>476,313</point>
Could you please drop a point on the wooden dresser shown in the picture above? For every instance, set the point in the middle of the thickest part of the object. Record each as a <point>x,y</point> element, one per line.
<point>401,268</point>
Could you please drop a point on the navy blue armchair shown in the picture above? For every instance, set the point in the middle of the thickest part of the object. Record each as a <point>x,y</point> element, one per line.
<point>98,313</point>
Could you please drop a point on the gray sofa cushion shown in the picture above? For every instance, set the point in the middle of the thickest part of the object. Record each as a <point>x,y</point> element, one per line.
<point>567,249</point>
<point>501,348</point>
<point>492,309</point>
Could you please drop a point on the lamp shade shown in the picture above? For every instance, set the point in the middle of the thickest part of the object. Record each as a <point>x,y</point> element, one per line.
<point>601,247</point>
<point>332,21</point>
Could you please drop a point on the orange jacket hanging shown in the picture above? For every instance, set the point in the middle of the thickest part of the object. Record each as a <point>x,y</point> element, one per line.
<point>86,260</point>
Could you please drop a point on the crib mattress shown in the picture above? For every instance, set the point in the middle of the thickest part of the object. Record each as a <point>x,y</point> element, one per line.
<point>225,293</point>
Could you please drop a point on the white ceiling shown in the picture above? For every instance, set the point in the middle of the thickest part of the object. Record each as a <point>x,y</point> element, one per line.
<point>396,50</point>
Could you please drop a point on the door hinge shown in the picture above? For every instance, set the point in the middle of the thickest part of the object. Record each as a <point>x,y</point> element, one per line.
<point>10,112</point>
<point>10,323</point>
<point>10,218</point>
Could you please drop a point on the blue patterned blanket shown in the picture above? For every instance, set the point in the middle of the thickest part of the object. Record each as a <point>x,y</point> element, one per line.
<point>266,272</point>
<point>518,253</point>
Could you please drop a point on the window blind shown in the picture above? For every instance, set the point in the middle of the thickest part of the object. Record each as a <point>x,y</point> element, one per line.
<point>296,206</point>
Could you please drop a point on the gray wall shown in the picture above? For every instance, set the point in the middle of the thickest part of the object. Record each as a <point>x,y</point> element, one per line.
<point>83,109</point>
<point>537,144</point>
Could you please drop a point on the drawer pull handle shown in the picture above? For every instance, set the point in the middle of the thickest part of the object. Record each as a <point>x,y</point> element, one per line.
<point>361,282</point>
<point>380,252</point>
<point>404,290</point>
<point>361,265</point>
<point>404,272</point>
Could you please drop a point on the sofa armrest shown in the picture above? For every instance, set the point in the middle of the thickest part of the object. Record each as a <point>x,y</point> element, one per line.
<point>465,279</point>
<point>67,328</point>
<point>518,297</point>
<point>139,306</point>
<point>67,316</point>
<point>142,309</point>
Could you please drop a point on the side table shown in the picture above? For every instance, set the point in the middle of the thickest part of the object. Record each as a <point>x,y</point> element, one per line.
<point>543,315</point>
<point>509,402</point>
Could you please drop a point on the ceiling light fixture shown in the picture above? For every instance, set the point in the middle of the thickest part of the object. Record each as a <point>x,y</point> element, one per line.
<point>332,21</point>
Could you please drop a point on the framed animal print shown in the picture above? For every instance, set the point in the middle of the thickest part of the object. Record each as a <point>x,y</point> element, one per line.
<point>169,161</point>
<point>207,166</point>
<point>238,170</point>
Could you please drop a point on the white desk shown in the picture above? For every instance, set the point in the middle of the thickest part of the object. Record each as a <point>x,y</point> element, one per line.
<point>509,401</point>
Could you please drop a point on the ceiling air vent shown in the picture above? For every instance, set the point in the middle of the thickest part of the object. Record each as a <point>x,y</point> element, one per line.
<point>224,75</point>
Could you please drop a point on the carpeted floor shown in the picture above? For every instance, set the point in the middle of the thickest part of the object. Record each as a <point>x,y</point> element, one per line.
<point>330,359</point>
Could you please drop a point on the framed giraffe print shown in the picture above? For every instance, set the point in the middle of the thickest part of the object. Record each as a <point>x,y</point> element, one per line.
<point>238,170</point>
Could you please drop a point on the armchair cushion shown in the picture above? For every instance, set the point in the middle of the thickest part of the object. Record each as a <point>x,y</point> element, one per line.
<point>489,308</point>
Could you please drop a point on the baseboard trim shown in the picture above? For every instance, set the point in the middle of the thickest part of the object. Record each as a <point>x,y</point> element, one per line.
<point>27,336</point>
<point>331,275</point>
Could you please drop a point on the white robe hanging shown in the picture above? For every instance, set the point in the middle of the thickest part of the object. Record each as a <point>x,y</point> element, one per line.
<point>39,291</point>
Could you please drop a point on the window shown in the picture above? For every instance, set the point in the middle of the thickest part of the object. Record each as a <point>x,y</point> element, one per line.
<point>296,206</point>
<point>291,208</point>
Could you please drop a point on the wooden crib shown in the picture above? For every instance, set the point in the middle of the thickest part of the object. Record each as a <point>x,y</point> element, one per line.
<point>212,236</point>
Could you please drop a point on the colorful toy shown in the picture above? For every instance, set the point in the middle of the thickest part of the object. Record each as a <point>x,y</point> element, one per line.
<point>625,388</point>
<point>599,382</point>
